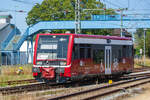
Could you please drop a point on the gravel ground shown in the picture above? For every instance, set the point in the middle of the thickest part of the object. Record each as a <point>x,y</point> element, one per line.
<point>137,93</point>
<point>144,94</point>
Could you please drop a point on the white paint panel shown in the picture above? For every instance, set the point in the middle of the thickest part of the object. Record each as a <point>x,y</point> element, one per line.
<point>49,46</point>
<point>3,20</point>
<point>50,66</point>
<point>102,41</point>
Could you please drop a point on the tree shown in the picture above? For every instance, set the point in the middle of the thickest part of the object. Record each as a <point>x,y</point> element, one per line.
<point>148,42</point>
<point>50,10</point>
<point>139,37</point>
<point>139,41</point>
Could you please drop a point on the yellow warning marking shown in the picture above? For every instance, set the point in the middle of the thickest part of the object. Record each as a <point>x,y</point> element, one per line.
<point>110,82</point>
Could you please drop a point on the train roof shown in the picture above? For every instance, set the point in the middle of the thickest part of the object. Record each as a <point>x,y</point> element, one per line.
<point>91,36</point>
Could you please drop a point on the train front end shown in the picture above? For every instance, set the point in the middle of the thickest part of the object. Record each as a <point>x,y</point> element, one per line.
<point>52,58</point>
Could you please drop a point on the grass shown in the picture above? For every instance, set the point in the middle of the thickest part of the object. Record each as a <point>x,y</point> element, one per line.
<point>138,62</point>
<point>32,96</point>
<point>23,96</point>
<point>9,73</point>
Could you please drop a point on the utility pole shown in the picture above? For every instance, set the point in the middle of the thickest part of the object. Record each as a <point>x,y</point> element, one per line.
<point>144,44</point>
<point>121,15</point>
<point>77,17</point>
<point>121,18</point>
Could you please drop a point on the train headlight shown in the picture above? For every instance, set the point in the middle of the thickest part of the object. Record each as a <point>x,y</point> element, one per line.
<point>35,69</point>
<point>39,63</point>
<point>62,63</point>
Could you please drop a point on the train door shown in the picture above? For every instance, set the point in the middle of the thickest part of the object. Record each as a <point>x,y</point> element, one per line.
<point>108,59</point>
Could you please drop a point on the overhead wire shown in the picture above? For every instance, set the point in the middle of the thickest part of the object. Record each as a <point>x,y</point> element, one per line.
<point>128,5</point>
<point>24,2</point>
<point>115,5</point>
<point>120,4</point>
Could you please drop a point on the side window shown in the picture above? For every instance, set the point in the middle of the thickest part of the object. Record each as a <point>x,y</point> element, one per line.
<point>82,53</point>
<point>120,53</point>
<point>124,51</point>
<point>117,53</point>
<point>88,52</point>
<point>127,51</point>
<point>75,53</point>
<point>98,56</point>
<point>85,51</point>
<point>130,51</point>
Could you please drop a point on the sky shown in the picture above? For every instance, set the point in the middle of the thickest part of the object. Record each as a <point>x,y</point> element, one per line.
<point>10,6</point>
<point>134,7</point>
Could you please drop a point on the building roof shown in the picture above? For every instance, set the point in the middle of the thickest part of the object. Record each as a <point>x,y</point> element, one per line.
<point>5,15</point>
<point>3,25</point>
<point>92,36</point>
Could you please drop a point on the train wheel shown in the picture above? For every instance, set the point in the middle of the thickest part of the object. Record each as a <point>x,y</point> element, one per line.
<point>60,79</point>
<point>39,79</point>
<point>46,81</point>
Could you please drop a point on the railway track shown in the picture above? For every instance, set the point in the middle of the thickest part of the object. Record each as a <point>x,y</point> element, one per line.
<point>143,68</point>
<point>16,82</point>
<point>28,88</point>
<point>45,86</point>
<point>103,90</point>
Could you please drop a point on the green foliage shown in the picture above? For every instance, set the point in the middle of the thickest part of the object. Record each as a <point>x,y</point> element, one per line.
<point>148,42</point>
<point>139,37</point>
<point>50,10</point>
<point>139,41</point>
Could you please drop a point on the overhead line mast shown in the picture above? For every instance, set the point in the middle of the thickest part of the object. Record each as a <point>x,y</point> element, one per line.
<point>77,17</point>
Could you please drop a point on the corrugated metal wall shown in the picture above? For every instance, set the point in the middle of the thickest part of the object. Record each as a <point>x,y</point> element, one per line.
<point>13,58</point>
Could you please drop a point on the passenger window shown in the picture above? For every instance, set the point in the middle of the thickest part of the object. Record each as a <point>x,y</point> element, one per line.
<point>75,53</point>
<point>85,51</point>
<point>124,51</point>
<point>88,52</point>
<point>98,56</point>
<point>82,53</point>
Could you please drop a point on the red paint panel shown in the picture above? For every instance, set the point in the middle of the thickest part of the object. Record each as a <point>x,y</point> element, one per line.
<point>93,36</point>
<point>35,49</point>
<point>102,37</point>
<point>35,74</point>
<point>89,67</point>
<point>67,72</point>
<point>48,73</point>
<point>70,47</point>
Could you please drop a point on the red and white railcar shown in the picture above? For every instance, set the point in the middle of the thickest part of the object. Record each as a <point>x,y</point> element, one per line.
<point>62,57</point>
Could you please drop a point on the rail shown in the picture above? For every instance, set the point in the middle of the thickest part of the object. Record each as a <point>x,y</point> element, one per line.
<point>102,90</point>
<point>46,86</point>
<point>16,82</point>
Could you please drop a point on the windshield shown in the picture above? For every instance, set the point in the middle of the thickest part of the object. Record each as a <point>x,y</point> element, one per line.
<point>52,47</point>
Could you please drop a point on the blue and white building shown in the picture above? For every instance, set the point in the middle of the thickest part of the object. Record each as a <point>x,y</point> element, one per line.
<point>9,34</point>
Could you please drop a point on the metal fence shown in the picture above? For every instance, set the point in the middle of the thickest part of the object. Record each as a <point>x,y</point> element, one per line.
<point>13,58</point>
